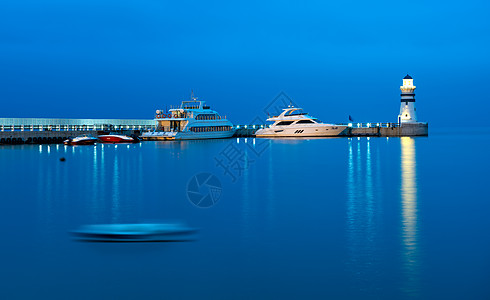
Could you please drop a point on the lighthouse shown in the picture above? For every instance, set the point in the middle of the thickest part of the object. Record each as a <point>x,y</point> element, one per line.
<point>407,106</point>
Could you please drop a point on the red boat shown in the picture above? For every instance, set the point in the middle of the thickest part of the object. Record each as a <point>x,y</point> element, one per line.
<point>118,138</point>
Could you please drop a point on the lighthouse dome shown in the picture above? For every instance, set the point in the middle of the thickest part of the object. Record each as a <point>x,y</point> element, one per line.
<point>407,77</point>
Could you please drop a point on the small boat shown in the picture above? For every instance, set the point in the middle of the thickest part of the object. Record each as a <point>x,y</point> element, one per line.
<point>140,232</point>
<point>80,140</point>
<point>118,138</point>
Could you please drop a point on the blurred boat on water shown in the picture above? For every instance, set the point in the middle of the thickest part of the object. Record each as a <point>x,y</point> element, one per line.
<point>140,232</point>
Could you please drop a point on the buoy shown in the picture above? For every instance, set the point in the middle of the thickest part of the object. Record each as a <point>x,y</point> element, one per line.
<point>62,159</point>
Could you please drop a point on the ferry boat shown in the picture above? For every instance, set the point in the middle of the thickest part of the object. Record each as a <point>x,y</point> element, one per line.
<point>80,140</point>
<point>293,122</point>
<point>191,121</point>
<point>118,138</point>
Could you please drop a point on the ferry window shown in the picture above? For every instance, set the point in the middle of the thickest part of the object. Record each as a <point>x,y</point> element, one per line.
<point>284,123</point>
<point>305,122</point>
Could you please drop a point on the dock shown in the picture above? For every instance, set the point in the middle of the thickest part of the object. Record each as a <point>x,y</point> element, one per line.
<point>55,131</point>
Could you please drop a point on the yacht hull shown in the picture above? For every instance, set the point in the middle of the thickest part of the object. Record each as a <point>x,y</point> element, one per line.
<point>296,131</point>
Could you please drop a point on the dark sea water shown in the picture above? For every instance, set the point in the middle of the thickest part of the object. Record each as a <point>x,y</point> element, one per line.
<point>378,218</point>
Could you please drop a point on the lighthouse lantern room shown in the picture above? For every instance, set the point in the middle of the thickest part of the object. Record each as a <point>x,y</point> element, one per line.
<point>407,105</point>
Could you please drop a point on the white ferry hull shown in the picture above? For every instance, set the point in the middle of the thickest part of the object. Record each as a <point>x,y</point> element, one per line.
<point>155,136</point>
<point>204,135</point>
<point>297,131</point>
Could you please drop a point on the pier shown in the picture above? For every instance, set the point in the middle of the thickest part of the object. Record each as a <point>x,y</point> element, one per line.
<point>358,130</point>
<point>47,131</point>
<point>53,131</point>
<point>386,129</point>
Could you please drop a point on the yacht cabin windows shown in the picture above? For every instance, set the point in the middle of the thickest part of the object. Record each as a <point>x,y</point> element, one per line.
<point>306,121</point>
<point>284,123</point>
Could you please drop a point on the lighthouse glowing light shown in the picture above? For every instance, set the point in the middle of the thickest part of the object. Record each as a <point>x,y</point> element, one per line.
<point>407,105</point>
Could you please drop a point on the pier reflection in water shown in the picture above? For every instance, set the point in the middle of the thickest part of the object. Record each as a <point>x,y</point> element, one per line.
<point>366,219</point>
<point>364,214</point>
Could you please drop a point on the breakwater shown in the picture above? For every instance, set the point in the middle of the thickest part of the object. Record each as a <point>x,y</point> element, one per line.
<point>52,131</point>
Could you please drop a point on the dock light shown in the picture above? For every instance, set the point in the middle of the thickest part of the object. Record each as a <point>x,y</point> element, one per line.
<point>358,125</point>
<point>245,126</point>
<point>350,125</point>
<point>253,126</point>
<point>368,125</point>
<point>377,124</point>
<point>238,126</point>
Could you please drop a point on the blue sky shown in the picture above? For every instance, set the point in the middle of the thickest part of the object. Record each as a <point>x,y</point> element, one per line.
<point>125,59</point>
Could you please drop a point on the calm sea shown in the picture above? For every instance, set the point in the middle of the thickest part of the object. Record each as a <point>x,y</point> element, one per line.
<point>378,218</point>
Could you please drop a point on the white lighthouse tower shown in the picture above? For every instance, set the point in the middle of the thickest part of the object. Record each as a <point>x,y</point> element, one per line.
<point>407,106</point>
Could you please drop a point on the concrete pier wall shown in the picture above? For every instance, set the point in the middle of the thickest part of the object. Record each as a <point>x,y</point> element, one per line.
<point>419,129</point>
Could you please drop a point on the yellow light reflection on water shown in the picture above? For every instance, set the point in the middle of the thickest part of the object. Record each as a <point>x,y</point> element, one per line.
<point>409,214</point>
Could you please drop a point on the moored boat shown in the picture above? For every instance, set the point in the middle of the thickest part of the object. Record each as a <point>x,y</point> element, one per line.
<point>80,140</point>
<point>293,122</point>
<point>118,138</point>
<point>193,120</point>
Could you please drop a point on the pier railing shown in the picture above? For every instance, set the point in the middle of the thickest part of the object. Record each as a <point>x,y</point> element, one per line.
<point>370,125</point>
<point>353,125</point>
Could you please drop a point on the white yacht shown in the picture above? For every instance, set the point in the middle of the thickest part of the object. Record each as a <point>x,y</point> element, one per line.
<point>293,122</point>
<point>193,120</point>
